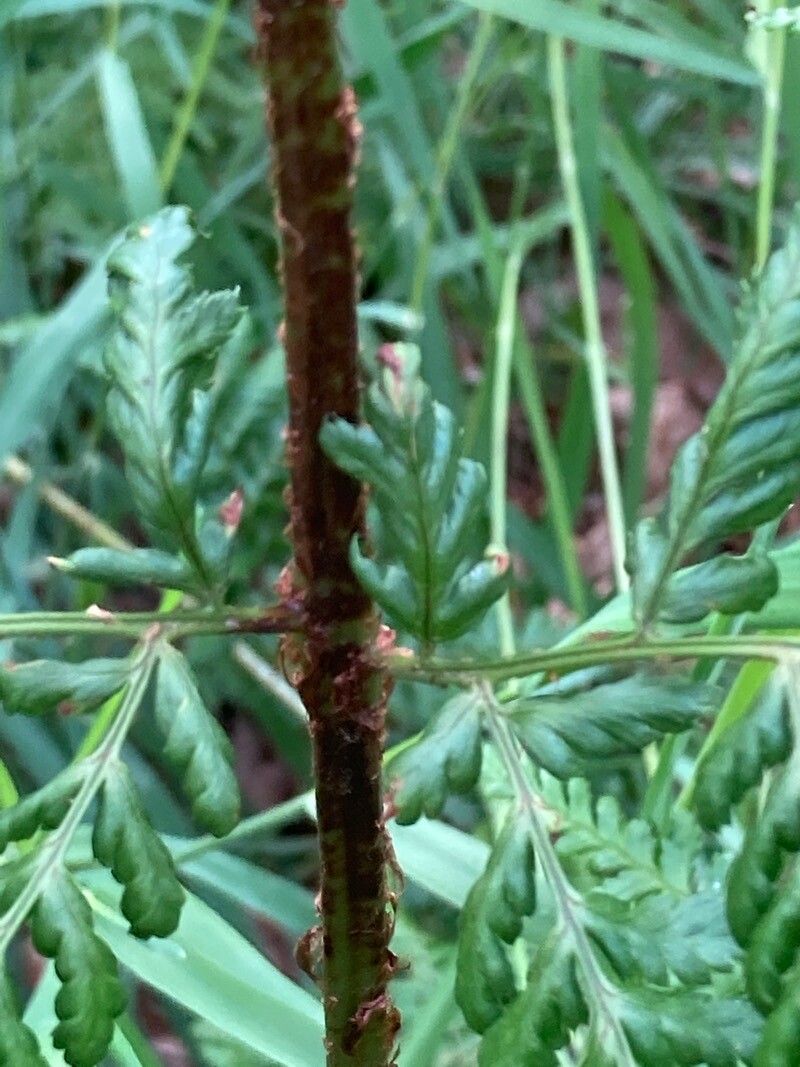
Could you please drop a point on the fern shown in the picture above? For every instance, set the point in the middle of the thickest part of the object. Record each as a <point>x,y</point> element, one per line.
<point>446,757</point>
<point>44,686</point>
<point>431,573</point>
<point>124,841</point>
<point>196,745</point>
<point>18,1046</point>
<point>492,917</point>
<point>568,734</point>
<point>740,470</point>
<point>159,362</point>
<point>91,996</point>
<point>42,810</point>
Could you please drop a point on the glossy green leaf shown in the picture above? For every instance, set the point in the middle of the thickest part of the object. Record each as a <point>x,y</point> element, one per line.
<point>492,918</point>
<point>141,566</point>
<point>18,1045</point>
<point>761,738</point>
<point>730,585</point>
<point>196,745</point>
<point>209,969</point>
<point>445,758</point>
<point>539,1021</point>
<point>42,810</point>
<point>91,996</point>
<point>43,686</point>
<point>687,1029</point>
<point>743,468</point>
<point>606,724</point>
<point>431,572</point>
<point>159,361</point>
<point>124,841</point>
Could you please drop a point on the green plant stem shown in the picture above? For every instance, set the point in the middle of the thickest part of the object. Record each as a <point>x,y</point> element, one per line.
<point>596,356</point>
<point>625,649</point>
<point>445,156</point>
<point>599,994</point>
<point>133,624</point>
<point>188,109</point>
<point>772,75</point>
<point>52,850</point>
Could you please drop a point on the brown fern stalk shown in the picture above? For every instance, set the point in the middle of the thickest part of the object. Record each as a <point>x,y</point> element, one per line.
<point>315,133</point>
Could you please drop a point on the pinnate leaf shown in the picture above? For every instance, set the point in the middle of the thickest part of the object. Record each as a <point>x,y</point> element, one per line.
<point>91,995</point>
<point>124,841</point>
<point>742,469</point>
<point>569,733</point>
<point>159,361</point>
<point>492,918</point>
<point>18,1045</point>
<point>42,810</point>
<point>41,686</point>
<point>196,745</point>
<point>141,566</point>
<point>431,572</point>
<point>445,758</point>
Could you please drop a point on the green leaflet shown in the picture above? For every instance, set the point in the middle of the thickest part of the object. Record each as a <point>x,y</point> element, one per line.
<point>727,584</point>
<point>760,739</point>
<point>599,847</point>
<point>91,996</point>
<point>40,686</point>
<point>743,468</point>
<point>659,936</point>
<point>431,572</point>
<point>159,361</point>
<point>539,1020</point>
<point>566,734</point>
<point>196,745</point>
<point>445,758</point>
<point>685,1029</point>
<point>124,841</point>
<point>492,916</point>
<point>142,566</point>
<point>42,810</point>
<point>18,1046</point>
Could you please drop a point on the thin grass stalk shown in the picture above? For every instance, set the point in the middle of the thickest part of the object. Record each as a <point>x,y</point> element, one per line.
<point>596,356</point>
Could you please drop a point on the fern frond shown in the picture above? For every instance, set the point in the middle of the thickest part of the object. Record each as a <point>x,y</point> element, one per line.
<point>18,1045</point>
<point>159,362</point>
<point>492,918</point>
<point>196,744</point>
<point>742,469</point>
<point>445,758</point>
<point>569,733</point>
<point>431,572</point>
<point>124,841</point>
<point>43,686</point>
<point>42,810</point>
<point>91,995</point>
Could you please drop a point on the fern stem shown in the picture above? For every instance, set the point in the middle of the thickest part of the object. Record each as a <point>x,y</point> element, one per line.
<point>599,994</point>
<point>596,355</point>
<point>315,132</point>
<point>134,624</point>
<point>53,848</point>
<point>628,648</point>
